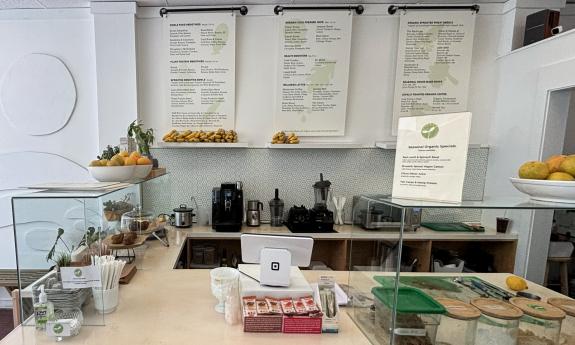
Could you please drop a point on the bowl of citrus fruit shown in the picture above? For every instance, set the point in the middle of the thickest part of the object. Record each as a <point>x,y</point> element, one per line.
<point>552,180</point>
<point>119,166</point>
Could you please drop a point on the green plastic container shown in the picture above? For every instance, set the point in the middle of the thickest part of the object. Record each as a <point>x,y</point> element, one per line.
<point>417,319</point>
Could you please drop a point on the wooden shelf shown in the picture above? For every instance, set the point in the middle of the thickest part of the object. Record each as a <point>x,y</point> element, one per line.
<point>164,145</point>
<point>358,246</point>
<point>391,145</point>
<point>318,145</point>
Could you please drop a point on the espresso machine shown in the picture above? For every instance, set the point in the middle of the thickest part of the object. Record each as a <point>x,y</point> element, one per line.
<point>227,207</point>
<point>316,219</point>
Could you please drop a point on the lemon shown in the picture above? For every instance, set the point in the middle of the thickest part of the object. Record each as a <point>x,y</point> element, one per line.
<point>516,283</point>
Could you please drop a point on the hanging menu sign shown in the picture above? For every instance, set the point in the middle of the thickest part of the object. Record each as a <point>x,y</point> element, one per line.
<point>200,52</point>
<point>311,96</point>
<point>431,157</point>
<point>433,63</point>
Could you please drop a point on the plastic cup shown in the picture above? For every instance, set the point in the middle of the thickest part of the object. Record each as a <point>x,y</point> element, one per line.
<point>502,224</point>
<point>106,301</point>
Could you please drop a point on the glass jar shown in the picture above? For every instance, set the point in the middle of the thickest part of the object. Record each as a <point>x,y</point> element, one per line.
<point>138,221</point>
<point>417,316</point>
<point>568,326</point>
<point>459,324</point>
<point>499,322</point>
<point>540,323</point>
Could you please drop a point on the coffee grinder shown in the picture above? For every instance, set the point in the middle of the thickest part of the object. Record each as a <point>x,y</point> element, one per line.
<point>320,218</point>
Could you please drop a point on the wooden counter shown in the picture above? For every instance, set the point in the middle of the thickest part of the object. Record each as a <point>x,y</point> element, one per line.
<point>348,232</point>
<point>162,305</point>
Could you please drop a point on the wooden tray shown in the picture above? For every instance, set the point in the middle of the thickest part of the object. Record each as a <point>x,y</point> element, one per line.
<point>140,240</point>
<point>128,272</point>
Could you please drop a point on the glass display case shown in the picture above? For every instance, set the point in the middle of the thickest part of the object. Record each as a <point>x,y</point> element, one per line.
<point>66,228</point>
<point>420,252</point>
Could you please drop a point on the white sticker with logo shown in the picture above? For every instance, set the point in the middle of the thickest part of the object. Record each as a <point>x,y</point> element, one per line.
<point>414,332</point>
<point>59,328</point>
<point>80,277</point>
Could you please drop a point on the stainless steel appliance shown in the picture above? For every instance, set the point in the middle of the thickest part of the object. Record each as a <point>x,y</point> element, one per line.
<point>228,207</point>
<point>276,210</point>
<point>253,213</point>
<point>183,216</point>
<point>371,214</point>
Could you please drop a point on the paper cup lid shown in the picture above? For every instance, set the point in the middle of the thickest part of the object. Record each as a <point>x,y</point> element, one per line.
<point>565,304</point>
<point>459,310</point>
<point>496,308</point>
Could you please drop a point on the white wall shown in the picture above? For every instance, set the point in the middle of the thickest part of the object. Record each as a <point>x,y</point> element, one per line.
<point>25,159</point>
<point>372,73</point>
<point>518,134</point>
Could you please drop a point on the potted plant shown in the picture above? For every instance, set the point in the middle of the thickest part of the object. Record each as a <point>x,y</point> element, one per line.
<point>113,210</point>
<point>144,139</point>
<point>83,250</point>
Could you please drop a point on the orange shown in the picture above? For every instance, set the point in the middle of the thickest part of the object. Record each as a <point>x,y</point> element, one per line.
<point>130,161</point>
<point>135,155</point>
<point>144,161</point>
<point>124,153</point>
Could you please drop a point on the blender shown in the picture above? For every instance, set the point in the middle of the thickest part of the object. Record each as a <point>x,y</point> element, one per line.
<point>276,210</point>
<point>320,217</point>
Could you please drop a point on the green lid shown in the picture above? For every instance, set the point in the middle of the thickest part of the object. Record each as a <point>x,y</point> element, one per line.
<point>409,300</point>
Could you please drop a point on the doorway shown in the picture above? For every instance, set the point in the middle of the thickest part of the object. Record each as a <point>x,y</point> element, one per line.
<point>560,261</point>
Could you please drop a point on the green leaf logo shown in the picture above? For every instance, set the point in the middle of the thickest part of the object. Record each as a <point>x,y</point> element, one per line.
<point>57,328</point>
<point>536,307</point>
<point>429,130</point>
<point>78,272</point>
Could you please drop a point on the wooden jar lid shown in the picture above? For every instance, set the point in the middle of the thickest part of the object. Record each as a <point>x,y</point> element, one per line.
<point>538,309</point>
<point>565,304</point>
<point>496,308</point>
<point>459,310</point>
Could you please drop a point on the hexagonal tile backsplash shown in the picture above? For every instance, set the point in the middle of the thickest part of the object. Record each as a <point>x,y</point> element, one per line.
<point>194,172</point>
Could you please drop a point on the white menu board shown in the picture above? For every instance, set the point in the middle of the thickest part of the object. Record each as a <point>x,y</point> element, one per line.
<point>431,157</point>
<point>433,63</point>
<point>200,52</point>
<point>311,94</point>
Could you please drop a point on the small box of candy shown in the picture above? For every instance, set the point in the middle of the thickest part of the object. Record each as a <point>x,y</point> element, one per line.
<point>287,315</point>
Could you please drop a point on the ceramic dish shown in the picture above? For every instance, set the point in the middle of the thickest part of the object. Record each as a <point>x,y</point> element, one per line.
<point>142,171</point>
<point>112,174</point>
<point>544,190</point>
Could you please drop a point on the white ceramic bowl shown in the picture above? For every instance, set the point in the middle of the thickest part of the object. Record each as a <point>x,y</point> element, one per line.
<point>142,171</point>
<point>544,190</point>
<point>112,174</point>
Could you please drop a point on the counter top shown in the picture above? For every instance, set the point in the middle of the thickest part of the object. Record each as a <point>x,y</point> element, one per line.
<point>346,232</point>
<point>162,305</point>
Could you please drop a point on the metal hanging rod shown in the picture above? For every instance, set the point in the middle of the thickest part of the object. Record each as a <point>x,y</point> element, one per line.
<point>243,10</point>
<point>357,8</point>
<point>393,8</point>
